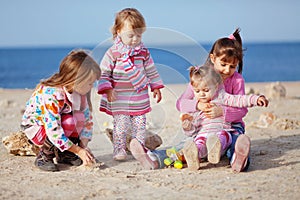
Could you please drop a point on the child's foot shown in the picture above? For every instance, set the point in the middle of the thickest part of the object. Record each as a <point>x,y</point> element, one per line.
<point>213,146</point>
<point>45,162</point>
<point>190,152</point>
<point>140,155</point>
<point>68,157</point>
<point>241,152</point>
<point>109,133</point>
<point>120,155</point>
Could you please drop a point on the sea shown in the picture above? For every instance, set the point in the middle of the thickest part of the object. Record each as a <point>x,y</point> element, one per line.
<point>24,67</point>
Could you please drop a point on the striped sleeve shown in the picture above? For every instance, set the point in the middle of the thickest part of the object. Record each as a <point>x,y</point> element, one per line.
<point>152,73</point>
<point>235,85</point>
<point>107,65</point>
<point>240,101</point>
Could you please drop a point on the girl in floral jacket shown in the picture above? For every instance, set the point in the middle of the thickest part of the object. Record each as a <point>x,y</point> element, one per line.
<point>57,116</point>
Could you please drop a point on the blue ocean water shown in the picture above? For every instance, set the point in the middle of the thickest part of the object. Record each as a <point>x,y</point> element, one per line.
<point>25,67</point>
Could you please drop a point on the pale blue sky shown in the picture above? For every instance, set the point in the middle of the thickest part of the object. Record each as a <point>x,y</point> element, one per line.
<point>74,22</point>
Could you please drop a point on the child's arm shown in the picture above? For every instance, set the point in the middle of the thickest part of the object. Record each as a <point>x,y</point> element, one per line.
<point>186,102</point>
<point>236,86</point>
<point>232,114</point>
<point>151,72</point>
<point>86,133</point>
<point>85,137</point>
<point>107,65</point>
<point>241,101</point>
<point>51,104</point>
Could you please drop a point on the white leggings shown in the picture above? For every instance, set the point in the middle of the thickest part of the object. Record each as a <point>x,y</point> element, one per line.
<point>123,125</point>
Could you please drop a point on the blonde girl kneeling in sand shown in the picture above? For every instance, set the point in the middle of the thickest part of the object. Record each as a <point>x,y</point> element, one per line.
<point>58,114</point>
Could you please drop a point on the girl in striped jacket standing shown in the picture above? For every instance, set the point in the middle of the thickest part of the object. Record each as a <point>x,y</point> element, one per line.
<point>127,72</point>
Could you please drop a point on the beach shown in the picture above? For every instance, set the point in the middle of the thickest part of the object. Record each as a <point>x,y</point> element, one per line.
<point>274,171</point>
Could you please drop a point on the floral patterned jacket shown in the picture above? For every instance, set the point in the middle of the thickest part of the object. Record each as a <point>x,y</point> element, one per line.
<point>45,107</point>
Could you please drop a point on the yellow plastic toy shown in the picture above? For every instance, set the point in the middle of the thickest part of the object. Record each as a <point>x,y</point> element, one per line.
<point>175,158</point>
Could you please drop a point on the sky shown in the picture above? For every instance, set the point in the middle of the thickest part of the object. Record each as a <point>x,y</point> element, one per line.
<point>27,23</point>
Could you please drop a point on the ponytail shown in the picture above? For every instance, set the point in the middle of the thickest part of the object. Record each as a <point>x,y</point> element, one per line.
<point>229,46</point>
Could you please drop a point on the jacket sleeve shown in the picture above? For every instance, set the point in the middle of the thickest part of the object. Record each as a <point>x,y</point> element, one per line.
<point>239,101</point>
<point>186,102</point>
<point>107,65</point>
<point>152,73</point>
<point>233,114</point>
<point>87,130</point>
<point>50,110</point>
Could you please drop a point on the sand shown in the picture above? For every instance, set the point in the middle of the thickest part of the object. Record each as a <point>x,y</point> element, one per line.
<point>273,174</point>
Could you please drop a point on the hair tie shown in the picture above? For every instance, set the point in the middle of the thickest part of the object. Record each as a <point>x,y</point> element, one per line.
<point>231,36</point>
<point>196,69</point>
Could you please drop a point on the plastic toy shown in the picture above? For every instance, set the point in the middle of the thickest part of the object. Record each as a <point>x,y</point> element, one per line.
<point>175,158</point>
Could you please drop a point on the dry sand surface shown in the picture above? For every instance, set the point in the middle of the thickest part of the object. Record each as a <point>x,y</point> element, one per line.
<point>274,171</point>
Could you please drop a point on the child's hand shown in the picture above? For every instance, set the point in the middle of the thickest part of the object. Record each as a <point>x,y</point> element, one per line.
<point>157,93</point>
<point>186,125</point>
<point>111,95</point>
<point>262,101</point>
<point>212,111</point>
<point>86,156</point>
<point>186,120</point>
<point>202,106</point>
<point>186,116</point>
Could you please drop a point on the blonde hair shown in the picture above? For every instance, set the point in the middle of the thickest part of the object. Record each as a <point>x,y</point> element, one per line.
<point>204,73</point>
<point>131,15</point>
<point>77,66</point>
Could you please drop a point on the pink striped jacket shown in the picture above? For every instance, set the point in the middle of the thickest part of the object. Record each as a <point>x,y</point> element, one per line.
<point>129,101</point>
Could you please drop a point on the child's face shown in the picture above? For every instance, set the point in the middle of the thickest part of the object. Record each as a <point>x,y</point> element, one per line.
<point>85,86</point>
<point>204,92</point>
<point>226,69</point>
<point>129,36</point>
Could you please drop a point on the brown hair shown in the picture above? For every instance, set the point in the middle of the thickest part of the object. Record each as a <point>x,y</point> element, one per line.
<point>204,73</point>
<point>231,48</point>
<point>133,16</point>
<point>78,65</point>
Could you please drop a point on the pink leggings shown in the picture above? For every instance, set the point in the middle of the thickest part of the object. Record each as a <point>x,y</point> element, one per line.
<point>71,124</point>
<point>200,141</point>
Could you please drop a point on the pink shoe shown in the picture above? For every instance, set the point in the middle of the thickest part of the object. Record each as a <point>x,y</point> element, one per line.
<point>241,153</point>
<point>138,152</point>
<point>120,155</point>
